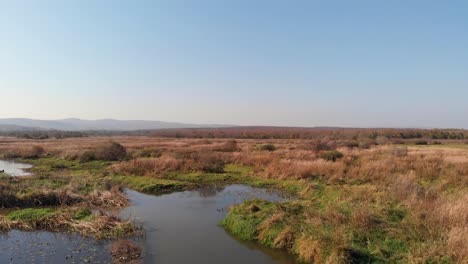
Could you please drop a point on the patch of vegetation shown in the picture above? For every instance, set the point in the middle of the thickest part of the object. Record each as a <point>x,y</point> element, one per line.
<point>228,146</point>
<point>421,142</point>
<point>83,214</point>
<point>30,214</point>
<point>243,220</point>
<point>303,228</point>
<point>67,188</point>
<point>46,166</point>
<point>112,151</point>
<point>148,153</point>
<point>70,219</point>
<point>151,185</point>
<point>332,155</point>
<point>265,147</point>
<point>378,202</point>
<point>125,251</point>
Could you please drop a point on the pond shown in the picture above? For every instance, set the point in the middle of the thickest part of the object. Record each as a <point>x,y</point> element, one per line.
<point>180,227</point>
<point>183,227</point>
<point>14,168</point>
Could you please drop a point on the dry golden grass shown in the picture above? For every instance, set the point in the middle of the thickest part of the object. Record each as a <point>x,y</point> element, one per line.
<point>430,183</point>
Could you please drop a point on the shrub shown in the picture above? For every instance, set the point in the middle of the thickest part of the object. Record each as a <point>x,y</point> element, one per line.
<point>37,151</point>
<point>88,156</point>
<point>228,146</point>
<point>421,142</point>
<point>331,155</point>
<point>322,146</point>
<point>266,147</point>
<point>366,144</point>
<point>206,162</point>
<point>149,153</point>
<point>111,152</point>
<point>352,144</point>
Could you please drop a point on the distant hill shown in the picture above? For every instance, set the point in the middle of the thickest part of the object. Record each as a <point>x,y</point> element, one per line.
<point>75,124</point>
<point>16,128</point>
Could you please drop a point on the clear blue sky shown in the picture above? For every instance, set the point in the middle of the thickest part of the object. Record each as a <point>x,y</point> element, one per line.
<point>249,62</point>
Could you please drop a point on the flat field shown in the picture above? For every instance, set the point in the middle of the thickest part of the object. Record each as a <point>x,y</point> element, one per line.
<point>350,202</point>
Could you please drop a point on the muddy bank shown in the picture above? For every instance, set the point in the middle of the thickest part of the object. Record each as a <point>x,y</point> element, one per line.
<point>45,247</point>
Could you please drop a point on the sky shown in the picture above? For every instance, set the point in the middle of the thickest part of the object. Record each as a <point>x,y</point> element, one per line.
<point>346,63</point>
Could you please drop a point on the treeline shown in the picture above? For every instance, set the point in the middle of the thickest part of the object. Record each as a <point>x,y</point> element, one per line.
<point>312,133</point>
<point>258,133</point>
<point>59,134</point>
<point>43,134</point>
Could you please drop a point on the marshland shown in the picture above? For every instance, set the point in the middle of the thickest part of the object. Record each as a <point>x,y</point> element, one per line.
<point>206,132</point>
<point>237,195</point>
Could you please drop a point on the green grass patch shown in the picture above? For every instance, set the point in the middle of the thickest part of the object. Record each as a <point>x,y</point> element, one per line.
<point>30,214</point>
<point>83,214</point>
<point>235,174</point>
<point>151,185</point>
<point>49,165</point>
<point>243,220</point>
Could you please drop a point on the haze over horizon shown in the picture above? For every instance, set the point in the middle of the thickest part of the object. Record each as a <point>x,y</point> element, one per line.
<point>311,63</point>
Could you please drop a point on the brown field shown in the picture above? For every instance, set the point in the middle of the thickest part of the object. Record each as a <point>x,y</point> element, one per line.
<point>402,203</point>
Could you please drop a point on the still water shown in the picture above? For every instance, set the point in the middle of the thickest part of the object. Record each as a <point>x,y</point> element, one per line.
<point>14,168</point>
<point>179,227</point>
<point>183,227</point>
<point>46,247</point>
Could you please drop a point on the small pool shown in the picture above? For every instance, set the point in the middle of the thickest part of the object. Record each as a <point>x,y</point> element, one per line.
<point>14,168</point>
<point>182,227</point>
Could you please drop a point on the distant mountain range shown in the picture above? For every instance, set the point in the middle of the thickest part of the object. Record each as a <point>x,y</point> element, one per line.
<point>75,124</point>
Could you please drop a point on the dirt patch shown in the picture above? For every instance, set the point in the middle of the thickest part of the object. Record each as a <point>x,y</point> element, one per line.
<point>125,251</point>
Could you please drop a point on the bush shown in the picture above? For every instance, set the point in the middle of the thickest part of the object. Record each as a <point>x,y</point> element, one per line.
<point>207,162</point>
<point>366,144</point>
<point>88,156</point>
<point>322,146</point>
<point>37,151</point>
<point>331,155</point>
<point>352,144</point>
<point>267,147</point>
<point>421,142</point>
<point>111,152</point>
<point>149,153</point>
<point>228,146</point>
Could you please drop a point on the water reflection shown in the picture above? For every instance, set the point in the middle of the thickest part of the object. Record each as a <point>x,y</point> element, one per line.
<point>180,228</point>
<point>183,227</point>
<point>207,191</point>
<point>14,168</point>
